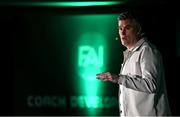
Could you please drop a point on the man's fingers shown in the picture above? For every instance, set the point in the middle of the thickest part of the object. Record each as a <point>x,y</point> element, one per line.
<point>105,79</point>
<point>101,75</point>
<point>106,76</point>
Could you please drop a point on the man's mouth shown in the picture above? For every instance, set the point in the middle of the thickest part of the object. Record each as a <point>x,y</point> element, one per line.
<point>123,38</point>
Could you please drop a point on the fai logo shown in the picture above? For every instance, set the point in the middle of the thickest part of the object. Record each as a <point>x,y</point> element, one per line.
<point>88,56</point>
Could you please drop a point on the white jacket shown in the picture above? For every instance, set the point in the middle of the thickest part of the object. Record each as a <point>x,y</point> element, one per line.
<point>142,90</point>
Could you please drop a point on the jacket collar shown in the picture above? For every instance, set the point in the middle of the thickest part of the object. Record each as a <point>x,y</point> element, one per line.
<point>137,45</point>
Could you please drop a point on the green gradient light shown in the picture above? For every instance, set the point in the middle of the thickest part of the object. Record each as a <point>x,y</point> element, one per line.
<point>92,33</point>
<point>68,4</point>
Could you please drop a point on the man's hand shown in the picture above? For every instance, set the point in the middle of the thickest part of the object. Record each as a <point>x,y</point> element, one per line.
<point>106,76</point>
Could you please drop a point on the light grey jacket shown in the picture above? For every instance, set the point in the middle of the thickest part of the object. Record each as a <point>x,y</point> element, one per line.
<point>142,90</point>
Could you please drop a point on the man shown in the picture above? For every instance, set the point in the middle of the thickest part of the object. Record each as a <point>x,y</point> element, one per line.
<point>142,90</point>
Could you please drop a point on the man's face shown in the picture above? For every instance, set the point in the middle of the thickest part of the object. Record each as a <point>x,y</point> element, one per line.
<point>127,32</point>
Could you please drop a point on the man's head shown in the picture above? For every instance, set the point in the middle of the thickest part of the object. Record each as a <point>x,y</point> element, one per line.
<point>129,29</point>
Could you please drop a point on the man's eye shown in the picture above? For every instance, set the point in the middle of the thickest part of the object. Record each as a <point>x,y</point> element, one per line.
<point>128,27</point>
<point>120,28</point>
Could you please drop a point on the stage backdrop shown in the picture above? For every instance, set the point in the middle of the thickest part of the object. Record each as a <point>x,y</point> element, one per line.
<point>56,59</point>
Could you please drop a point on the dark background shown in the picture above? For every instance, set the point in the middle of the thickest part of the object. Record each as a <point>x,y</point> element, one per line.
<point>158,21</point>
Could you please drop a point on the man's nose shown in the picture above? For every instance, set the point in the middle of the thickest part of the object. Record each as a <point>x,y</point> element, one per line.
<point>123,32</point>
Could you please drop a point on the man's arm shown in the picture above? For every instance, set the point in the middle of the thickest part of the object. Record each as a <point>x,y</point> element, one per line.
<point>151,67</point>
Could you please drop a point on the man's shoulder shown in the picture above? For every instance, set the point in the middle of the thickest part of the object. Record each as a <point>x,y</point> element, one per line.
<point>149,48</point>
<point>148,45</point>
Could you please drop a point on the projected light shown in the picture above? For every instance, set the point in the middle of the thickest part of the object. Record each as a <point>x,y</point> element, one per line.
<point>91,55</point>
<point>91,60</point>
<point>68,4</point>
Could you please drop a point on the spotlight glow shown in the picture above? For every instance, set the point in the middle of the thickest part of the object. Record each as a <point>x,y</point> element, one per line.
<point>67,4</point>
